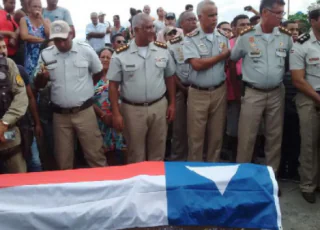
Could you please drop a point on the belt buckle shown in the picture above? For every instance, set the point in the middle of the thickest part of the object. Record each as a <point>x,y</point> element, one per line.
<point>146,104</point>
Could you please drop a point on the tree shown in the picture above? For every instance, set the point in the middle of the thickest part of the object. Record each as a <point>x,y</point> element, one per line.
<point>302,19</point>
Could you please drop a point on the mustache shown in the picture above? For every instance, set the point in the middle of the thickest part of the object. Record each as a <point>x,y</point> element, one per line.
<point>3,55</point>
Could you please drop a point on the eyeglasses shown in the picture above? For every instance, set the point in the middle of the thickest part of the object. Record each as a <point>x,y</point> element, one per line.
<point>121,42</point>
<point>281,14</point>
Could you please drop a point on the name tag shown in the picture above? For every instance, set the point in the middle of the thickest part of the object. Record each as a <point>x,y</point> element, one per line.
<point>130,66</point>
<point>315,59</point>
<point>255,54</point>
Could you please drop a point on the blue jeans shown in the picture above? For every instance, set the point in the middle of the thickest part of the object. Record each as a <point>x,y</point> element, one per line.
<point>33,162</point>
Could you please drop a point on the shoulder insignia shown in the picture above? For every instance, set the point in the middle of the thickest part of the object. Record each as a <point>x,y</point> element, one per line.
<point>19,80</point>
<point>193,33</point>
<point>303,38</point>
<point>122,48</point>
<point>176,40</point>
<point>247,30</point>
<point>160,44</point>
<point>284,30</point>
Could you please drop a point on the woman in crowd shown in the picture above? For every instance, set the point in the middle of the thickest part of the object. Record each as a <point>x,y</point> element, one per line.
<point>34,30</point>
<point>113,141</point>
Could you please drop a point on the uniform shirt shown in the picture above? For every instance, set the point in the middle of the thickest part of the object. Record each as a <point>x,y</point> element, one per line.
<point>263,63</point>
<point>71,73</point>
<point>96,43</point>
<point>19,104</point>
<point>59,13</point>
<point>200,46</point>
<point>307,56</point>
<point>175,47</point>
<point>141,78</point>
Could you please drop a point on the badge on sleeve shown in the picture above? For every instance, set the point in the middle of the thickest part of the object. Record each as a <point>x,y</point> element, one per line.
<point>19,80</point>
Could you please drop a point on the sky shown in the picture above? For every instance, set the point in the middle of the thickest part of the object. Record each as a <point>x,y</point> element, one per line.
<point>227,9</point>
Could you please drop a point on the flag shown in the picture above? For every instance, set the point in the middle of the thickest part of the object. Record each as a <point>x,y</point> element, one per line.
<point>147,194</point>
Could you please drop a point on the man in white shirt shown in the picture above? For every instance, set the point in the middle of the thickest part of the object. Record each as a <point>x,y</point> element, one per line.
<point>96,33</point>
<point>159,23</point>
<point>107,39</point>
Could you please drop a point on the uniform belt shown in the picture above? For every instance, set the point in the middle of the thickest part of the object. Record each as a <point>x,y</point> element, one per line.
<point>207,89</point>
<point>186,85</point>
<point>260,89</point>
<point>85,105</point>
<point>141,103</point>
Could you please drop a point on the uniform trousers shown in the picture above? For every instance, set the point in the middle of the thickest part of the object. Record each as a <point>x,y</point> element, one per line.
<point>84,125</point>
<point>257,106</point>
<point>206,111</point>
<point>309,116</point>
<point>145,131</point>
<point>16,162</point>
<point>179,134</point>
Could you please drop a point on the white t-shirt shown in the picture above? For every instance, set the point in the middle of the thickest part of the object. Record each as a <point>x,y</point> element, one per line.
<point>210,36</point>
<point>107,38</point>
<point>266,36</point>
<point>96,43</point>
<point>143,51</point>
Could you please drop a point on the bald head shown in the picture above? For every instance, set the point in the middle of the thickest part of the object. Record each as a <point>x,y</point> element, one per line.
<point>140,19</point>
<point>146,9</point>
<point>203,4</point>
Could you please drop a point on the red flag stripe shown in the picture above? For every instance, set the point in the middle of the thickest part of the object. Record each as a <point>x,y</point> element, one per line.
<point>83,175</point>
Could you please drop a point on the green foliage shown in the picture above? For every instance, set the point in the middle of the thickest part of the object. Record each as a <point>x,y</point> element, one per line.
<point>302,19</point>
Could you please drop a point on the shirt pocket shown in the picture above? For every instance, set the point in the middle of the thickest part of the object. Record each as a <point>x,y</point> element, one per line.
<point>82,67</point>
<point>129,71</point>
<point>313,66</point>
<point>256,59</point>
<point>281,57</point>
<point>52,68</point>
<point>161,64</point>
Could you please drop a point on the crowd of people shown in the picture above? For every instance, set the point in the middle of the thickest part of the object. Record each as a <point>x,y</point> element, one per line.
<point>185,88</point>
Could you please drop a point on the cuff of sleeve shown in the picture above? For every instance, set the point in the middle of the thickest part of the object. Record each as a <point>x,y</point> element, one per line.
<point>8,120</point>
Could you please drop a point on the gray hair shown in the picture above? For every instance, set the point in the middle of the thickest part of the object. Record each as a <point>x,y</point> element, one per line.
<point>203,4</point>
<point>139,19</point>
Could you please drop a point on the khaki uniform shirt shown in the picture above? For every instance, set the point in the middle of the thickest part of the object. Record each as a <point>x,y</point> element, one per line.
<point>176,49</point>
<point>18,105</point>
<point>263,63</point>
<point>306,55</point>
<point>71,73</point>
<point>200,45</point>
<point>141,78</point>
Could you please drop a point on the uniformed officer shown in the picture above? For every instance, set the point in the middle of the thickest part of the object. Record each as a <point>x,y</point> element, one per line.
<point>188,23</point>
<point>143,69</point>
<point>264,49</point>
<point>206,51</point>
<point>71,67</point>
<point>305,70</point>
<point>13,105</point>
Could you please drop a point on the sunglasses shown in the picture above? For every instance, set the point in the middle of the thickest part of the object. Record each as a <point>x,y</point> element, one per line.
<point>121,42</point>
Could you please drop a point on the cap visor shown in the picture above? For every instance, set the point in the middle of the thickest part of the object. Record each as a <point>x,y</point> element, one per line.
<point>59,35</point>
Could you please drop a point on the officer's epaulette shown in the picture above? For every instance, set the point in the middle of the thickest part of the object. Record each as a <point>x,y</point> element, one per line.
<point>161,44</point>
<point>247,30</point>
<point>284,30</point>
<point>303,38</point>
<point>175,40</point>
<point>193,33</point>
<point>122,48</point>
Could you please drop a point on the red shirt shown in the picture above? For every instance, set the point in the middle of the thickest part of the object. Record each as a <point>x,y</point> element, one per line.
<point>234,87</point>
<point>8,24</point>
